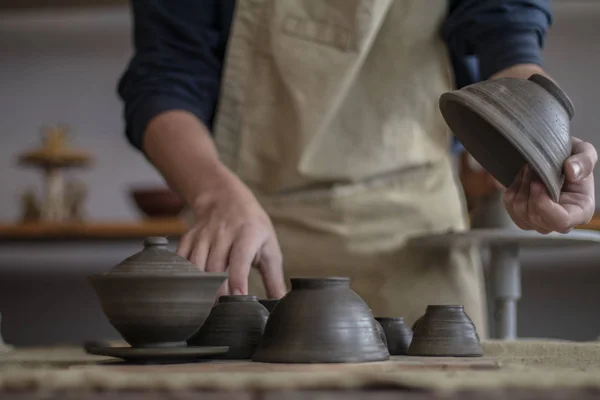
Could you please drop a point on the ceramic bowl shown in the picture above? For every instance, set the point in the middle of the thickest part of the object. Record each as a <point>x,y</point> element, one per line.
<point>397,333</point>
<point>321,320</point>
<point>269,304</point>
<point>157,202</point>
<point>445,331</point>
<point>155,298</point>
<point>235,321</point>
<point>509,122</point>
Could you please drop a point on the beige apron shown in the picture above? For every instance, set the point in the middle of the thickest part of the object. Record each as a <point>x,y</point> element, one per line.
<point>329,113</point>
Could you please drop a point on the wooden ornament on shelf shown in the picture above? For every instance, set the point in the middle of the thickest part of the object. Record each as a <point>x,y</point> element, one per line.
<point>62,200</point>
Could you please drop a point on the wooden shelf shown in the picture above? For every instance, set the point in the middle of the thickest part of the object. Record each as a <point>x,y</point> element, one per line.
<point>92,230</point>
<point>120,230</point>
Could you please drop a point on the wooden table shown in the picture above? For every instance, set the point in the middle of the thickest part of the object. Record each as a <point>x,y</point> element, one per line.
<point>372,394</point>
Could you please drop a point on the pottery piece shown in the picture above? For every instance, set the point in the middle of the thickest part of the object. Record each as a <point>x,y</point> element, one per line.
<point>445,331</point>
<point>381,333</point>
<point>156,298</point>
<point>269,304</point>
<point>509,122</point>
<point>397,333</point>
<point>157,202</point>
<point>141,354</point>
<point>3,346</point>
<point>235,321</point>
<point>321,320</point>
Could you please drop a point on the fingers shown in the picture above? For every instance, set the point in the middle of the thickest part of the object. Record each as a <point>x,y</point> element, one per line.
<point>242,256</point>
<point>582,161</point>
<point>270,268</point>
<point>199,252</point>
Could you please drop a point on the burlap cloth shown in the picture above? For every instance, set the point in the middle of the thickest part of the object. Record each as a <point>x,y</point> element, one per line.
<point>523,364</point>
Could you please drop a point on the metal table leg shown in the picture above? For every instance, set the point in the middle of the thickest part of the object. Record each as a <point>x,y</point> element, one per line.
<point>506,283</point>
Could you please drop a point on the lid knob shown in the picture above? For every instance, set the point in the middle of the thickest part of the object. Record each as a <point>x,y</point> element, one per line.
<point>156,241</point>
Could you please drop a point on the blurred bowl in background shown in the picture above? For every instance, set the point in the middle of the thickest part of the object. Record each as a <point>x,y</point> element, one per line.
<point>158,202</point>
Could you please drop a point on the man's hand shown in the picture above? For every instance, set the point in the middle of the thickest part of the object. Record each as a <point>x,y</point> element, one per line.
<point>232,232</point>
<point>476,181</point>
<point>530,206</point>
<point>527,200</point>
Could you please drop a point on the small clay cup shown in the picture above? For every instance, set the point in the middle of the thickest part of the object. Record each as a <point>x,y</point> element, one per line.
<point>445,331</point>
<point>321,320</point>
<point>509,122</point>
<point>381,333</point>
<point>269,304</point>
<point>156,298</point>
<point>398,335</point>
<point>235,321</point>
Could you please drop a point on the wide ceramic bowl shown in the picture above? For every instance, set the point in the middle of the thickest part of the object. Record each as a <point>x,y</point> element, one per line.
<point>157,202</point>
<point>509,122</point>
<point>155,298</point>
<point>235,321</point>
<point>445,331</point>
<point>321,320</point>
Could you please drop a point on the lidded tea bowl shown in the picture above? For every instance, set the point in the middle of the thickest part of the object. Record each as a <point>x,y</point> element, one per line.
<point>235,321</point>
<point>156,298</point>
<point>508,122</point>
<point>321,320</point>
<point>445,331</point>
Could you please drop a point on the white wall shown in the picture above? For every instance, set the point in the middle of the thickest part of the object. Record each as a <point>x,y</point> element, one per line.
<point>64,67</point>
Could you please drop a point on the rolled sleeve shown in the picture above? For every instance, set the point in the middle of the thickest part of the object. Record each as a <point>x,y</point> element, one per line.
<point>499,33</point>
<point>179,51</point>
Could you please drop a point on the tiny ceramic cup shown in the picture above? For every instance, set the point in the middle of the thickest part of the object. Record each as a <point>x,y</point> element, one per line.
<point>235,321</point>
<point>398,335</point>
<point>445,331</point>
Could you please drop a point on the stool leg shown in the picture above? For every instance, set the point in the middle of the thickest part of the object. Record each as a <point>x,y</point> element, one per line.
<point>506,283</point>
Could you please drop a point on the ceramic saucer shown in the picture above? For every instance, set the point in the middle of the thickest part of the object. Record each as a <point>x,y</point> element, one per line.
<point>173,354</point>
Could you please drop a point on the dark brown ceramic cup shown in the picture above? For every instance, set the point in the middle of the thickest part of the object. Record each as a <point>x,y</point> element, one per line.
<point>398,335</point>
<point>445,331</point>
<point>321,320</point>
<point>509,122</point>
<point>235,321</point>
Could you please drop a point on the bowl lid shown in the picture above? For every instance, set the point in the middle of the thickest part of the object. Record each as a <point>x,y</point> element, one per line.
<point>155,258</point>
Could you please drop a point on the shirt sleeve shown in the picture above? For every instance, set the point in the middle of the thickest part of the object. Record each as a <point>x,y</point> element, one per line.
<point>179,50</point>
<point>499,33</point>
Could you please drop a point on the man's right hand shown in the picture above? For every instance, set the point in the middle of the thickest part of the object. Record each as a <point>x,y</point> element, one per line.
<point>232,232</point>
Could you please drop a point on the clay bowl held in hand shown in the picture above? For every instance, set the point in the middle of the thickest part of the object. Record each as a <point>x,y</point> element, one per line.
<point>508,122</point>
<point>158,202</point>
<point>445,331</point>
<point>269,304</point>
<point>321,320</point>
<point>398,335</point>
<point>235,321</point>
<point>156,298</point>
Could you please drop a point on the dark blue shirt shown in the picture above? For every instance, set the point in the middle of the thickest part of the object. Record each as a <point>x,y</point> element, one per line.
<point>180,48</point>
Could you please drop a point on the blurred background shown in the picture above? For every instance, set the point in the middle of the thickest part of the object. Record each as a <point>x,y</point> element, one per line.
<point>59,64</point>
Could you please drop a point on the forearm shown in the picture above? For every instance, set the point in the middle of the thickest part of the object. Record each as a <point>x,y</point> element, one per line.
<point>180,147</point>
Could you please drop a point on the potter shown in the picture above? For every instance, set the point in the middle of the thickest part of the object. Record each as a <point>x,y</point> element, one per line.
<point>307,140</point>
